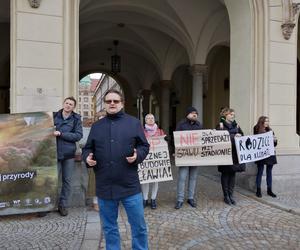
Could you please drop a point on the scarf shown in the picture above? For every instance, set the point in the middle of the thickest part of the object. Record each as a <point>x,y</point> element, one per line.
<point>151,130</point>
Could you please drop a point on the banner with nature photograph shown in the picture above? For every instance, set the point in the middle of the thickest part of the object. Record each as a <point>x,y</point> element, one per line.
<point>28,166</point>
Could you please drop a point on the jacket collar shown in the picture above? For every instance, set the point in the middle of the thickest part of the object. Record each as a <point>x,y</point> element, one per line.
<point>116,115</point>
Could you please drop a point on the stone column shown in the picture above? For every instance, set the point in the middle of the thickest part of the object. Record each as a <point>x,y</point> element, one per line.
<point>44,54</point>
<point>165,105</point>
<point>198,71</point>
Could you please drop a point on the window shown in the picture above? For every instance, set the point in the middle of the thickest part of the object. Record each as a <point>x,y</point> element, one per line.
<point>85,99</point>
<point>86,106</point>
<point>85,113</point>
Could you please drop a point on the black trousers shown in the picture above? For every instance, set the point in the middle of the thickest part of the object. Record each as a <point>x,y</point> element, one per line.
<point>228,182</point>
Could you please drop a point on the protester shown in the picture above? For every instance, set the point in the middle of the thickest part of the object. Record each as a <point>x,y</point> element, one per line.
<point>115,146</point>
<point>228,171</point>
<point>189,123</point>
<point>68,130</point>
<point>262,126</point>
<point>151,129</point>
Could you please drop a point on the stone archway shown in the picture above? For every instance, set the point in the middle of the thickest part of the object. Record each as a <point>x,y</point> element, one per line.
<point>217,86</point>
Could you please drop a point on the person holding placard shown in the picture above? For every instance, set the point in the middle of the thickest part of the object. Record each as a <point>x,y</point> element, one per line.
<point>228,171</point>
<point>262,126</point>
<point>151,129</point>
<point>189,123</point>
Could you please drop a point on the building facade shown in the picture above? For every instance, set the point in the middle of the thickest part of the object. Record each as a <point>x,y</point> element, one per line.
<point>209,54</point>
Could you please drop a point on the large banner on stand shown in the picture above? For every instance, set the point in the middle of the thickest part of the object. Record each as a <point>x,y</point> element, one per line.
<point>28,165</point>
<point>157,166</point>
<point>202,148</point>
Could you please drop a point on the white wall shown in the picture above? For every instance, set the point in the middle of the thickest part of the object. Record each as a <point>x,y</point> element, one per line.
<point>43,66</point>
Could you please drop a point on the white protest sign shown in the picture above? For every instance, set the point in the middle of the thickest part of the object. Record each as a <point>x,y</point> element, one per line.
<point>157,166</point>
<point>254,147</point>
<point>202,147</point>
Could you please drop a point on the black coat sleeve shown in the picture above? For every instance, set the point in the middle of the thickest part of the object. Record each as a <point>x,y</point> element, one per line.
<point>142,145</point>
<point>89,146</point>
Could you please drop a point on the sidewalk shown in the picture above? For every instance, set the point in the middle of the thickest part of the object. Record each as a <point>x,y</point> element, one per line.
<point>252,224</point>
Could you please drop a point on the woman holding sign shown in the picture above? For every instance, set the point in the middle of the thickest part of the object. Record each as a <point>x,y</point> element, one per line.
<point>228,171</point>
<point>262,126</point>
<point>151,129</point>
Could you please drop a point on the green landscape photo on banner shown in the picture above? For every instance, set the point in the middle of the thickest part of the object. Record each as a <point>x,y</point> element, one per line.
<point>28,163</point>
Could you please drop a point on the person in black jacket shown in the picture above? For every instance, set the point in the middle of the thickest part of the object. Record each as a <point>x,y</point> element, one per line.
<point>115,146</point>
<point>262,126</point>
<point>189,123</point>
<point>228,171</point>
<point>68,130</point>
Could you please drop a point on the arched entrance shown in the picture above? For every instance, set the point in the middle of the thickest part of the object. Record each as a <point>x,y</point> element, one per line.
<point>217,86</point>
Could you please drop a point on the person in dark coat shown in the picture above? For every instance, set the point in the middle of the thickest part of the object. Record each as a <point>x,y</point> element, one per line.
<point>228,172</point>
<point>114,148</point>
<point>189,123</point>
<point>262,126</point>
<point>68,130</point>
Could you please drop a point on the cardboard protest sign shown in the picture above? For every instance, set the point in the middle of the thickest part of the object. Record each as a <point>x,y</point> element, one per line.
<point>202,148</point>
<point>28,163</point>
<point>254,147</point>
<point>157,166</point>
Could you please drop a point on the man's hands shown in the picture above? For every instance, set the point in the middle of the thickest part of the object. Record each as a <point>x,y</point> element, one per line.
<point>132,159</point>
<point>90,161</point>
<point>57,133</point>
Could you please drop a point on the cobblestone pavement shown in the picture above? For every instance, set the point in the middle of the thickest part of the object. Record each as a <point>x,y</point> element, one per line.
<point>215,225</point>
<point>212,225</point>
<point>50,232</point>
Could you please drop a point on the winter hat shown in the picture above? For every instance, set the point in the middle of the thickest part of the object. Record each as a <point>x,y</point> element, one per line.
<point>190,110</point>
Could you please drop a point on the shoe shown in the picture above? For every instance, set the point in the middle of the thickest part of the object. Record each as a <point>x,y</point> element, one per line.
<point>233,202</point>
<point>62,211</point>
<point>145,203</point>
<point>269,192</point>
<point>227,199</point>
<point>192,202</point>
<point>258,193</point>
<point>153,204</point>
<point>179,204</point>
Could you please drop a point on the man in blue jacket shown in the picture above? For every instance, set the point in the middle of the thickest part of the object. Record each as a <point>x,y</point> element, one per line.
<point>68,130</point>
<point>115,146</point>
<point>189,123</point>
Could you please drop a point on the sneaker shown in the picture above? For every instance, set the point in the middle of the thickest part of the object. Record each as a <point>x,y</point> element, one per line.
<point>192,202</point>
<point>178,204</point>
<point>62,211</point>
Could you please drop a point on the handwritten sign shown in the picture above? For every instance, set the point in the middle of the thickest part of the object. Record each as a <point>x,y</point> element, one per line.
<point>157,166</point>
<point>254,147</point>
<point>202,148</point>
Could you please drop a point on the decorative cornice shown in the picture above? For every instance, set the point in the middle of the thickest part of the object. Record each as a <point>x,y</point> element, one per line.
<point>34,3</point>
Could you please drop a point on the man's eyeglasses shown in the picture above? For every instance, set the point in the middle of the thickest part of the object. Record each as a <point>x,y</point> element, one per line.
<point>112,101</point>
